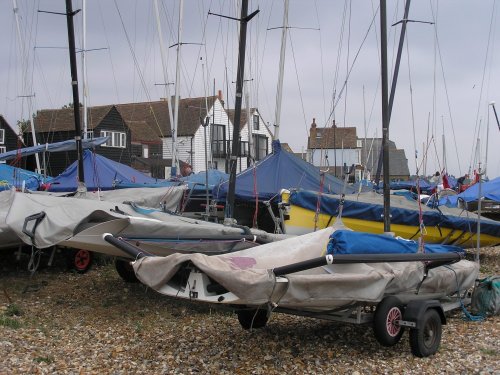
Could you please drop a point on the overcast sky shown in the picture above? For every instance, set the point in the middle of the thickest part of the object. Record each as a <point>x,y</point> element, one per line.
<point>449,74</point>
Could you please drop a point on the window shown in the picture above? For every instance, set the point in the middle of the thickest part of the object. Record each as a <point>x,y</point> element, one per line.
<point>359,143</point>
<point>244,148</point>
<point>218,141</point>
<point>116,139</point>
<point>145,151</point>
<point>256,123</point>
<point>3,149</point>
<point>2,136</point>
<point>90,135</point>
<point>260,143</point>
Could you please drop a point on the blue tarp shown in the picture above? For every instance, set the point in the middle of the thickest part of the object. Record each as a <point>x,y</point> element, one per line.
<point>489,190</point>
<point>349,242</point>
<point>14,177</point>
<point>374,212</point>
<point>53,147</point>
<point>104,174</point>
<point>279,170</point>
<point>425,187</point>
<point>196,182</point>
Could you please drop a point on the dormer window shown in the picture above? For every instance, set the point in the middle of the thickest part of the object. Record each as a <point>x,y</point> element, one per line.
<point>318,133</point>
<point>256,124</point>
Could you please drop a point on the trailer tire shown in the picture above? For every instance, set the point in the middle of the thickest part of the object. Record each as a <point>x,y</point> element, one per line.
<point>79,260</point>
<point>424,341</point>
<point>385,327</point>
<point>252,318</point>
<point>126,271</point>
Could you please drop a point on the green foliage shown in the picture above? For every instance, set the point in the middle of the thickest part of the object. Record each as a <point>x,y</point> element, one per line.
<point>44,359</point>
<point>13,310</point>
<point>9,322</point>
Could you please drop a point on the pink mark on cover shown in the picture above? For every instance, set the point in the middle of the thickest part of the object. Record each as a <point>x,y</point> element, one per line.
<point>242,263</point>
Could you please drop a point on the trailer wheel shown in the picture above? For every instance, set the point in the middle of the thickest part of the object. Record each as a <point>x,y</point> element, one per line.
<point>252,318</point>
<point>386,329</point>
<point>79,260</point>
<point>424,341</point>
<point>126,271</point>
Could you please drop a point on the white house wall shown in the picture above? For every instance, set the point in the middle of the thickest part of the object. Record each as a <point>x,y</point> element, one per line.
<point>217,116</point>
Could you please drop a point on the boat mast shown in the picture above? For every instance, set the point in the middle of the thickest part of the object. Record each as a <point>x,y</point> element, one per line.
<point>24,59</point>
<point>279,91</point>
<point>385,115</point>
<point>235,151</point>
<point>395,75</point>
<point>74,83</point>
<point>173,171</point>
<point>84,67</point>
<point>163,61</point>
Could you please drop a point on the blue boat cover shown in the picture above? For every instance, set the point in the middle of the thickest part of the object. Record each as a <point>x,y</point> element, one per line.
<point>14,177</point>
<point>53,147</point>
<point>279,170</point>
<point>489,190</point>
<point>349,242</point>
<point>196,182</point>
<point>104,174</point>
<point>374,212</point>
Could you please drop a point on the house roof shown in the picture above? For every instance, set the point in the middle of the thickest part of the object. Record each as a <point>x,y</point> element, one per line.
<point>142,133</point>
<point>155,114</point>
<point>146,120</point>
<point>332,137</point>
<point>53,120</point>
<point>243,117</point>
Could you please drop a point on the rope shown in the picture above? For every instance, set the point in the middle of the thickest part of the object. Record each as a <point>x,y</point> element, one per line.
<point>467,314</point>
<point>254,222</point>
<point>318,201</point>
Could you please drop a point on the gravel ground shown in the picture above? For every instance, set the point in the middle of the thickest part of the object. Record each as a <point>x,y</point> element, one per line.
<point>58,322</point>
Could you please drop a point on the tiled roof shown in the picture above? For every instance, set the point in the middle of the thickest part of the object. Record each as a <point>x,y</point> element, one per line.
<point>142,133</point>
<point>53,120</point>
<point>155,114</point>
<point>332,138</point>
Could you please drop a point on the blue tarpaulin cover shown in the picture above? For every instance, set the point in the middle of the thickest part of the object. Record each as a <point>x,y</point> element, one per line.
<point>197,181</point>
<point>53,147</point>
<point>489,190</point>
<point>279,170</point>
<point>104,174</point>
<point>349,242</point>
<point>14,177</point>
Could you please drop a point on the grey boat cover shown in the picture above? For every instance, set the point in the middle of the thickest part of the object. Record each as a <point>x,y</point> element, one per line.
<point>80,223</point>
<point>248,277</point>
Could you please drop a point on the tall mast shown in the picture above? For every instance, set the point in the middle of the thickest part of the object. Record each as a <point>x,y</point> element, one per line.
<point>74,83</point>
<point>163,61</point>
<point>173,172</point>
<point>84,67</point>
<point>385,115</point>
<point>235,151</point>
<point>279,93</point>
<point>395,74</point>
<point>24,59</point>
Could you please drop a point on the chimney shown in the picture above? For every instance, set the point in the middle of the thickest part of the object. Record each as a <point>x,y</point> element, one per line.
<point>312,135</point>
<point>334,124</point>
<point>219,95</point>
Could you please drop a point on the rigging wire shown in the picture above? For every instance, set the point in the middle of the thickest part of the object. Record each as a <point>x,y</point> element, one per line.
<point>139,73</point>
<point>321,59</point>
<point>332,112</point>
<point>298,83</point>
<point>477,126</point>
<point>434,20</point>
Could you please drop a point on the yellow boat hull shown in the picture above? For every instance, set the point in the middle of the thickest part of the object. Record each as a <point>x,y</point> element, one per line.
<point>300,221</point>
